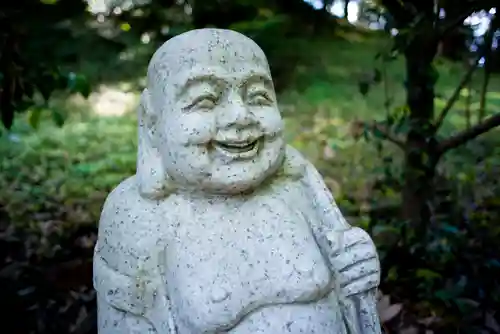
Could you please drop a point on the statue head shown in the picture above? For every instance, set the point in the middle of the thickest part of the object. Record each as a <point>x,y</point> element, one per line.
<point>208,119</point>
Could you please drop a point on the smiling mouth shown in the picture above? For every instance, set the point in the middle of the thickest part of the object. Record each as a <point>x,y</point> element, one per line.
<point>244,149</point>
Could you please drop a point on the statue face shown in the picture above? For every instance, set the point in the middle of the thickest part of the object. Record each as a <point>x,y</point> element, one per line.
<point>221,130</point>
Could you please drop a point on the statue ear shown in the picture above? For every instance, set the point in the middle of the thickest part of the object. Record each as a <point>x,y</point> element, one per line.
<point>151,176</point>
<point>294,165</point>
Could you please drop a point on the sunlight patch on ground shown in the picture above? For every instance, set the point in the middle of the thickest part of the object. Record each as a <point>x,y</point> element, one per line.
<point>339,72</point>
<point>494,96</point>
<point>109,101</point>
<point>352,36</point>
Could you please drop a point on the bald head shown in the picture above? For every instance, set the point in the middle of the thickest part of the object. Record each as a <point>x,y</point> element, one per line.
<point>210,51</point>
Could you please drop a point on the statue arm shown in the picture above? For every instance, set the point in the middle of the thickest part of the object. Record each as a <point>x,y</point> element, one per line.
<point>129,305</point>
<point>350,251</point>
<point>127,274</point>
<point>119,311</point>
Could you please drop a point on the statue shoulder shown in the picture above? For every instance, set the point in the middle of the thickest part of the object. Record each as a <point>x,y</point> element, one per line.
<point>129,231</point>
<point>308,173</point>
<point>300,168</point>
<point>124,194</point>
<point>330,216</point>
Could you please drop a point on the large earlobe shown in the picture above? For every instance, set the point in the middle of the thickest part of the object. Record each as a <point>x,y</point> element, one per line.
<point>153,182</point>
<point>294,165</point>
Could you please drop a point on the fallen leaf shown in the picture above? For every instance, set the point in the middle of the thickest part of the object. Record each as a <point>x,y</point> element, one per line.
<point>409,330</point>
<point>429,321</point>
<point>390,312</point>
<point>356,129</point>
<point>491,323</point>
<point>328,153</point>
<point>383,303</point>
<point>333,185</point>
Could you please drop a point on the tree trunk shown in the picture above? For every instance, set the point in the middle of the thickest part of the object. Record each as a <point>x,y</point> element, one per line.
<point>346,9</point>
<point>420,159</point>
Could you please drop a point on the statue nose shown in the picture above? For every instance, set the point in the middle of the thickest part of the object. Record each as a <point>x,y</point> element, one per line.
<point>237,115</point>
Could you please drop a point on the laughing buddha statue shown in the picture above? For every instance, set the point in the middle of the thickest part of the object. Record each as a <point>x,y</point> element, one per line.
<point>224,228</point>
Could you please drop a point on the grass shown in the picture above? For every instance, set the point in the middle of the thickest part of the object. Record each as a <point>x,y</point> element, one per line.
<point>77,165</point>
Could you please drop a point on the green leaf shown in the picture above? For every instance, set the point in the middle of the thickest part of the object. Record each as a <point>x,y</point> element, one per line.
<point>34,117</point>
<point>366,132</point>
<point>7,112</point>
<point>493,263</point>
<point>78,83</point>
<point>392,275</point>
<point>24,105</point>
<point>377,76</point>
<point>388,102</point>
<point>387,159</point>
<point>445,295</point>
<point>377,133</point>
<point>466,305</point>
<point>29,90</point>
<point>58,117</point>
<point>125,26</point>
<point>87,168</point>
<point>449,228</point>
<point>46,85</point>
<point>403,126</point>
<point>62,81</point>
<point>452,293</point>
<point>427,274</point>
<point>386,235</point>
<point>177,30</point>
<point>363,87</point>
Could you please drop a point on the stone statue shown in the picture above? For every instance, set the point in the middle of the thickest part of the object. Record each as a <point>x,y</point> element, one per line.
<point>224,228</point>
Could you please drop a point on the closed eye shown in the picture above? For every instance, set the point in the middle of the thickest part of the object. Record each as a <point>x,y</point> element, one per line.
<point>259,98</point>
<point>206,101</point>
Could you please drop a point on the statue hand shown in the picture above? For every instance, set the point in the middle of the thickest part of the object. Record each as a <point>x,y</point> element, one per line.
<point>355,260</point>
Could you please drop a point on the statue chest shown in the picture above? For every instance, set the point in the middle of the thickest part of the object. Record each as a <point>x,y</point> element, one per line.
<point>224,263</point>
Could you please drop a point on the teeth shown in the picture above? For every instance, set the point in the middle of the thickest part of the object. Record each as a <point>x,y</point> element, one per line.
<point>236,147</point>
<point>238,144</point>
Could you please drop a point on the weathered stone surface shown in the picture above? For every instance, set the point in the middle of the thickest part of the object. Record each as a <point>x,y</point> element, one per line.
<point>224,228</point>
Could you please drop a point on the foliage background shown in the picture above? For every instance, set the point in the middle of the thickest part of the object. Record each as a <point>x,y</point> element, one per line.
<point>70,81</point>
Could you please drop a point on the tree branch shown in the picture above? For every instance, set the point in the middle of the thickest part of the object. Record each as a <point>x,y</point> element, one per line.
<point>454,97</point>
<point>386,134</point>
<point>447,25</point>
<point>468,134</point>
<point>472,67</point>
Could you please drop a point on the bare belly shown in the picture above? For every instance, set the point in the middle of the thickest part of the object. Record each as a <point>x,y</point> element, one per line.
<point>250,267</point>
<point>321,317</point>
